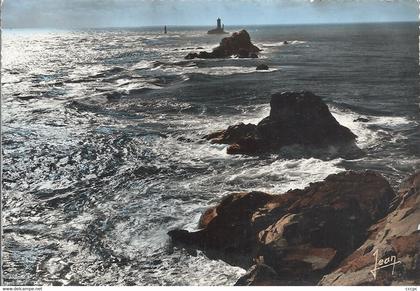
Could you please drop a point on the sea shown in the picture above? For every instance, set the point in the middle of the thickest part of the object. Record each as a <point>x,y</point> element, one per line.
<point>102,138</point>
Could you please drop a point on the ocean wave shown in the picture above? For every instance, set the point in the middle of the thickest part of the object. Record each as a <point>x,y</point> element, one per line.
<point>374,130</point>
<point>213,71</point>
<point>284,174</point>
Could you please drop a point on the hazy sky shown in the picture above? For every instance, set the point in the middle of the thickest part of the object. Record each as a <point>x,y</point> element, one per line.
<point>117,13</point>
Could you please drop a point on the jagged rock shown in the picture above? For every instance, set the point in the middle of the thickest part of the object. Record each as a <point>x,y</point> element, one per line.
<point>262,67</point>
<point>296,118</point>
<point>299,234</point>
<point>395,238</point>
<point>238,44</point>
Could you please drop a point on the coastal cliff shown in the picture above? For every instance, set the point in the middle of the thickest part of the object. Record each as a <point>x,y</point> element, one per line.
<point>329,233</point>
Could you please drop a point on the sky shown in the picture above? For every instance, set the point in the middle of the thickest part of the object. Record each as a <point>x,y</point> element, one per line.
<point>134,13</point>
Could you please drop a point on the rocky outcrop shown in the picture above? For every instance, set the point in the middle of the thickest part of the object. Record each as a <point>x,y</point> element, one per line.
<point>238,44</point>
<point>229,234</point>
<point>296,118</point>
<point>393,245</point>
<point>300,235</point>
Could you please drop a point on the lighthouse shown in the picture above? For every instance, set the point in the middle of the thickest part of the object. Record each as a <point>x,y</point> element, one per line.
<point>220,29</point>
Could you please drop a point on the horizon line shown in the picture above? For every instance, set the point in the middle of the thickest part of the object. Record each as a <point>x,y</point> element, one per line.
<point>210,25</point>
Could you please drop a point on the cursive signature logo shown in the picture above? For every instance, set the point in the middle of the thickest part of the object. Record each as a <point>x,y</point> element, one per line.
<point>384,263</point>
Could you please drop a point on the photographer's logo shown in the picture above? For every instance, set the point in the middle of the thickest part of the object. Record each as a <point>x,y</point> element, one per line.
<point>384,263</point>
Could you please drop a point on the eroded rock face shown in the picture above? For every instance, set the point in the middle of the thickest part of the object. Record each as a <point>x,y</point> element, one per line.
<point>238,44</point>
<point>393,239</point>
<point>229,233</point>
<point>296,118</point>
<point>300,234</point>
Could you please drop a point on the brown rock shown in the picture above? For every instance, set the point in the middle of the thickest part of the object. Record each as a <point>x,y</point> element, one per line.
<point>300,234</point>
<point>207,216</point>
<point>233,134</point>
<point>395,236</point>
<point>246,145</point>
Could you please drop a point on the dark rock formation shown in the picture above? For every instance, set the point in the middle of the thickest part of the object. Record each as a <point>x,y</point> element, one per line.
<point>301,235</point>
<point>259,275</point>
<point>217,31</point>
<point>395,236</point>
<point>233,133</point>
<point>296,118</point>
<point>263,67</point>
<point>238,44</point>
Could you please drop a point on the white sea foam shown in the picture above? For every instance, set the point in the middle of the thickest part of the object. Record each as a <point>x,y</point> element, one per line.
<point>283,174</point>
<point>213,71</point>
<point>143,65</point>
<point>367,137</point>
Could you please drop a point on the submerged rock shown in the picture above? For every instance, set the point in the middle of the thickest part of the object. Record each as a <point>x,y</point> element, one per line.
<point>262,67</point>
<point>300,234</point>
<point>238,44</point>
<point>361,119</point>
<point>296,118</point>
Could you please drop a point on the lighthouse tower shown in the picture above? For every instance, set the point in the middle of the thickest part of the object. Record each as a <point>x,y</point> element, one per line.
<point>219,29</point>
<point>219,23</point>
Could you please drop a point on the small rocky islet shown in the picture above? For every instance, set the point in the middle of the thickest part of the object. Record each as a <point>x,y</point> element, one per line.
<point>339,231</point>
<point>296,119</point>
<point>238,44</point>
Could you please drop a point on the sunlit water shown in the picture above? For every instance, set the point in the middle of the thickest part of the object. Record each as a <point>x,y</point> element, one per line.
<point>102,139</point>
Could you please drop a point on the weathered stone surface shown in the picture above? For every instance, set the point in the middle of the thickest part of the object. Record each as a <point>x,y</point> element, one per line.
<point>301,234</point>
<point>207,216</point>
<point>395,236</point>
<point>296,118</point>
<point>229,233</point>
<point>238,44</point>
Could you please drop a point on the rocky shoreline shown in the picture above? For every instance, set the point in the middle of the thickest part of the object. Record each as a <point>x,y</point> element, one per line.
<point>350,229</point>
<point>330,233</point>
